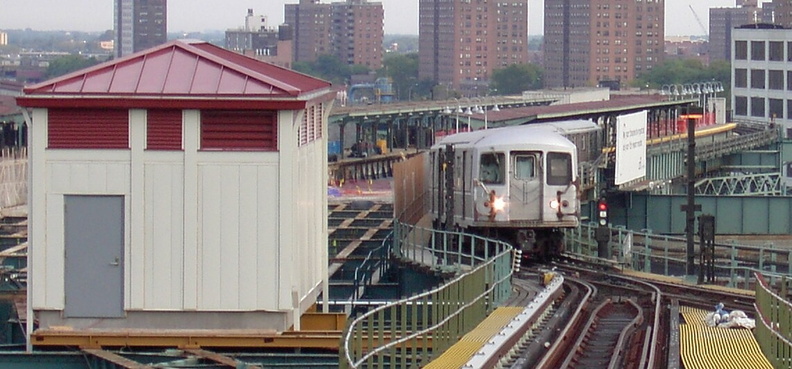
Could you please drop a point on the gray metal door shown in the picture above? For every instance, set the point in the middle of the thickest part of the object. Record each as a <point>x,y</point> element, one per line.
<point>525,188</point>
<point>94,236</point>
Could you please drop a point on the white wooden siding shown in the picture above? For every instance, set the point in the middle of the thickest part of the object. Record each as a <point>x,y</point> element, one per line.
<point>236,205</point>
<point>163,251</point>
<point>38,280</point>
<point>204,231</point>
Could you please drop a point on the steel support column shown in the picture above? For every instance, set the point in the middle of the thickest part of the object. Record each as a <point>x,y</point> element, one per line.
<point>690,210</point>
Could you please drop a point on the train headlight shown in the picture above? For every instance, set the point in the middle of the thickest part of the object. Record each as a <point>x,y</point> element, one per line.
<point>554,204</point>
<point>495,203</point>
<point>498,204</point>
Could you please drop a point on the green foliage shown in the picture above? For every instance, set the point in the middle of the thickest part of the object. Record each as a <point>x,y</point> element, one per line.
<point>535,42</point>
<point>403,71</point>
<point>68,64</point>
<point>330,68</point>
<point>684,71</point>
<point>304,67</point>
<point>517,78</point>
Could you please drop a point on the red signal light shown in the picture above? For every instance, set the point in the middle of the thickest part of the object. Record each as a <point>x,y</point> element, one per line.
<point>603,206</point>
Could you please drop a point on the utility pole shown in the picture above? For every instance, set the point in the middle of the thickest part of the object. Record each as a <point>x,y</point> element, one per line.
<point>448,172</point>
<point>694,114</point>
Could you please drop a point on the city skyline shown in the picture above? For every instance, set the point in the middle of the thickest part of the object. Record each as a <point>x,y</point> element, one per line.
<point>401,16</point>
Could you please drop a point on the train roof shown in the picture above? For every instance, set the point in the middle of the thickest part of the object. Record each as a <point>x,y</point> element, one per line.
<point>566,127</point>
<point>533,134</point>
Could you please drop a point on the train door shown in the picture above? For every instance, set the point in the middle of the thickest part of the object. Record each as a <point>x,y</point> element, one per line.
<point>525,190</point>
<point>560,185</point>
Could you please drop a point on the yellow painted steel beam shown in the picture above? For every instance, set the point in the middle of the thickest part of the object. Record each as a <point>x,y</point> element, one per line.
<point>196,339</point>
<point>312,321</point>
<point>187,339</point>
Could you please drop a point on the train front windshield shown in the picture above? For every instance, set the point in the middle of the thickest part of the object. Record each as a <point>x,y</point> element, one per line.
<point>491,170</point>
<point>559,169</point>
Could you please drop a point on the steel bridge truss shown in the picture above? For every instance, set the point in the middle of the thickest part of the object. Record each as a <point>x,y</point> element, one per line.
<point>666,163</point>
<point>763,184</point>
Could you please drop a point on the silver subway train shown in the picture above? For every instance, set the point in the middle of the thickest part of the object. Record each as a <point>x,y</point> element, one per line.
<point>519,184</point>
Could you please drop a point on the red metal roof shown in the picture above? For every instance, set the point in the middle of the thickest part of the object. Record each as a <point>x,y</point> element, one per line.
<point>616,103</point>
<point>181,68</point>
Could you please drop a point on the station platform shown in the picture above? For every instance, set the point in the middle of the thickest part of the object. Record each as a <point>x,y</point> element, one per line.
<point>461,352</point>
<point>705,347</point>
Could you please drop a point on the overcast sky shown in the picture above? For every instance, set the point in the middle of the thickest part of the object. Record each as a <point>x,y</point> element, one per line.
<point>401,16</point>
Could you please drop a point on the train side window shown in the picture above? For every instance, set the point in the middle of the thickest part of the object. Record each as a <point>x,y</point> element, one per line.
<point>524,167</point>
<point>559,168</point>
<point>491,168</point>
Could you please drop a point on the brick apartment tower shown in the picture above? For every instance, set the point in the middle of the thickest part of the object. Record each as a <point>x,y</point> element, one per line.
<point>139,25</point>
<point>601,42</point>
<point>723,20</point>
<point>462,42</point>
<point>352,30</point>
<point>783,13</point>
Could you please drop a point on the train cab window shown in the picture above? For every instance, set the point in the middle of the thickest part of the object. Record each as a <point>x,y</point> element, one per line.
<point>491,168</point>
<point>559,168</point>
<point>524,167</point>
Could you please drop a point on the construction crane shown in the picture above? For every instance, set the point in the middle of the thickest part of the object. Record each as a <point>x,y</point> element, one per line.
<point>706,33</point>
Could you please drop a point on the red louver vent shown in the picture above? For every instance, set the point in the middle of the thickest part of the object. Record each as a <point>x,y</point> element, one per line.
<point>238,130</point>
<point>88,129</point>
<point>164,129</point>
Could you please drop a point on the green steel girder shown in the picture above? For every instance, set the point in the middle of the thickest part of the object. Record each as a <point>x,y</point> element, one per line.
<point>665,161</point>
<point>763,184</point>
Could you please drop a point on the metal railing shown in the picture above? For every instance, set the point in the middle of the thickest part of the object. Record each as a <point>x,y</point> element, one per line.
<point>735,264</point>
<point>412,331</point>
<point>372,167</point>
<point>375,264</point>
<point>773,323</point>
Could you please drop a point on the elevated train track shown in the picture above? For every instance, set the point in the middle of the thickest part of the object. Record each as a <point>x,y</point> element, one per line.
<point>601,319</point>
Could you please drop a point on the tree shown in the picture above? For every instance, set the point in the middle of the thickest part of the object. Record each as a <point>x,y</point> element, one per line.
<point>681,71</point>
<point>403,71</point>
<point>517,78</point>
<point>68,64</point>
<point>330,68</point>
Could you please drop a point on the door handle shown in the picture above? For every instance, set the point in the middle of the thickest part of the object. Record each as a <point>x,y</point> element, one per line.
<point>115,262</point>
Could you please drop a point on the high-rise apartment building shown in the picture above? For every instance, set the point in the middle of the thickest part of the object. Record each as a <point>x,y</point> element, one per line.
<point>352,30</point>
<point>723,20</point>
<point>462,42</point>
<point>782,12</point>
<point>601,42</point>
<point>257,40</point>
<point>3,38</point>
<point>139,25</point>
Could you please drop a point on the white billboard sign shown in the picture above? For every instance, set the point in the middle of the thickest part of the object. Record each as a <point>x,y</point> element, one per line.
<point>630,147</point>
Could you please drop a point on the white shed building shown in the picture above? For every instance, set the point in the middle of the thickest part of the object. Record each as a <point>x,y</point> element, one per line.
<point>182,187</point>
